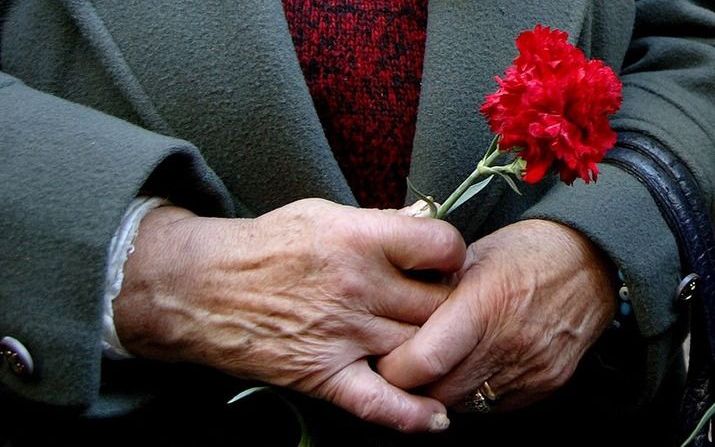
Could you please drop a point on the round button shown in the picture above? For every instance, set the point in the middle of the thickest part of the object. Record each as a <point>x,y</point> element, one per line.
<point>687,288</point>
<point>17,356</point>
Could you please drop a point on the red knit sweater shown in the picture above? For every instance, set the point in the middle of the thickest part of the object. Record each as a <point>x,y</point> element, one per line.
<point>362,61</point>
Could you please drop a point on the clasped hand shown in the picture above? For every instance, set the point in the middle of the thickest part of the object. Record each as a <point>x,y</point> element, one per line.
<point>531,299</point>
<point>302,296</point>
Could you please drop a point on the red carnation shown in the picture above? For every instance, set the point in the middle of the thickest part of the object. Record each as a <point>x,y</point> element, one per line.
<point>553,106</point>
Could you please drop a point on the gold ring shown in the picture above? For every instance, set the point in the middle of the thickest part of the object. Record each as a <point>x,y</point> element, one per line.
<point>487,391</point>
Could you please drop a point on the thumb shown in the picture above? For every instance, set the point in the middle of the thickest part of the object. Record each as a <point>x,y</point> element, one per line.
<point>450,334</point>
<point>365,394</point>
<point>410,243</point>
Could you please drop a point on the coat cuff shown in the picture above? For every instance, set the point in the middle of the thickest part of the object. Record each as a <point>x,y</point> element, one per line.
<point>69,175</point>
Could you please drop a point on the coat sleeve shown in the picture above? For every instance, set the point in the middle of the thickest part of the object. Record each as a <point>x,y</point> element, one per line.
<point>668,95</point>
<point>67,174</point>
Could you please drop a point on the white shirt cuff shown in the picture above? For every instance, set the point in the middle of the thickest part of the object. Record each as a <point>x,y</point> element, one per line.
<point>120,248</point>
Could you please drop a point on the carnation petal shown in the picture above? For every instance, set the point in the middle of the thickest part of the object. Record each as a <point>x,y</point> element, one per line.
<point>555,104</point>
<point>536,169</point>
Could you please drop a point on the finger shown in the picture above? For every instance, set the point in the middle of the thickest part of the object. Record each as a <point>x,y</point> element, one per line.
<point>516,383</point>
<point>460,384</point>
<point>448,337</point>
<point>411,243</point>
<point>405,299</point>
<point>459,387</point>
<point>365,394</point>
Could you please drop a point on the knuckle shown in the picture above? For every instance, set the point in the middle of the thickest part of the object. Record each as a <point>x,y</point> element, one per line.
<point>348,285</point>
<point>453,238</point>
<point>450,238</point>
<point>312,202</point>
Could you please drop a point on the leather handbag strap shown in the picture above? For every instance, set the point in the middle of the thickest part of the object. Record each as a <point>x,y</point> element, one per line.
<point>683,206</point>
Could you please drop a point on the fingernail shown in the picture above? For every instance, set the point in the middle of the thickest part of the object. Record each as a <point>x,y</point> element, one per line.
<point>439,422</point>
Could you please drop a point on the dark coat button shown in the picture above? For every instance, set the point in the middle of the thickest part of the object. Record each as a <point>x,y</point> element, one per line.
<point>17,356</point>
<point>687,288</point>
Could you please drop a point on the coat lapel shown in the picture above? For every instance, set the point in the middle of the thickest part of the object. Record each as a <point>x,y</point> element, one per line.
<point>225,76</point>
<point>468,43</point>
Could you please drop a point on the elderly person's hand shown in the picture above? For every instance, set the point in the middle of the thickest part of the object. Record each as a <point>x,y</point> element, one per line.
<point>532,298</point>
<point>299,297</point>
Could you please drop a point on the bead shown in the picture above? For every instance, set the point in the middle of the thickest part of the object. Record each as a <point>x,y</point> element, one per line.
<point>625,309</point>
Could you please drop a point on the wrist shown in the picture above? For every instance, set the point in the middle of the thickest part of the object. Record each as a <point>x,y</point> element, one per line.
<point>162,251</point>
<point>602,273</point>
<point>121,246</point>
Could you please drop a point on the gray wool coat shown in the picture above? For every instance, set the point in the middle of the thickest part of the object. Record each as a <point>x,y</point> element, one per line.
<point>205,103</point>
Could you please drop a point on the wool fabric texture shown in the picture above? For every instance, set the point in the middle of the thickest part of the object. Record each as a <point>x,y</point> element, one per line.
<point>362,62</point>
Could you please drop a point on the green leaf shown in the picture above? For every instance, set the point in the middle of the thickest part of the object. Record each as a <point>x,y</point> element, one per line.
<point>493,146</point>
<point>510,182</point>
<point>428,199</point>
<point>247,393</point>
<point>305,439</point>
<point>706,417</point>
<point>469,193</point>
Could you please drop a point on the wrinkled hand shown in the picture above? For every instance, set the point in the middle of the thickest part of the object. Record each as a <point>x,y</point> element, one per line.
<point>532,298</point>
<point>299,297</point>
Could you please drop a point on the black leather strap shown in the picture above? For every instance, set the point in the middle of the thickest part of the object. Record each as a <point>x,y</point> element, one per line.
<point>681,203</point>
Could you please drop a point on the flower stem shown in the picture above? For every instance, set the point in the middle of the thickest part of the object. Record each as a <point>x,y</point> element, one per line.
<point>469,181</point>
<point>483,167</point>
